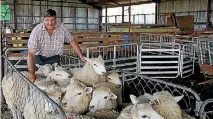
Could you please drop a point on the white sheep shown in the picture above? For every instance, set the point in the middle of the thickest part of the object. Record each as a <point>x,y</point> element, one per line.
<point>60,76</point>
<point>16,91</point>
<point>166,104</point>
<point>43,70</point>
<point>112,77</point>
<point>139,111</point>
<point>103,98</point>
<point>77,97</point>
<point>91,72</point>
<point>116,90</point>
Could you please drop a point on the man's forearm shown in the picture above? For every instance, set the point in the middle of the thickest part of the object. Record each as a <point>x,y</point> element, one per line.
<point>30,64</point>
<point>76,48</point>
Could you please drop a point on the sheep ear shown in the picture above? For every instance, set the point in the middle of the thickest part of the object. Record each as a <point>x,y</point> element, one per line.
<point>134,99</point>
<point>100,57</point>
<point>88,90</point>
<point>113,96</point>
<point>126,115</point>
<point>178,98</point>
<point>38,65</point>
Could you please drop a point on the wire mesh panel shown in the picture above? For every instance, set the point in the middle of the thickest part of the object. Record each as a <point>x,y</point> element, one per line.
<point>206,109</point>
<point>160,60</point>
<point>155,38</point>
<point>138,84</point>
<point>24,98</point>
<point>117,56</point>
<point>70,61</point>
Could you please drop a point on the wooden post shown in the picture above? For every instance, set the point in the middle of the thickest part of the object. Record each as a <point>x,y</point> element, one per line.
<point>129,15</point>
<point>208,15</point>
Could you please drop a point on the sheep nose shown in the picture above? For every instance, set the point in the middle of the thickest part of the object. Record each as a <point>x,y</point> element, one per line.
<point>91,107</point>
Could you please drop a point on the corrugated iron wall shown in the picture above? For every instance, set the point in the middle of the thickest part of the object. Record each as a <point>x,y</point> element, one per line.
<point>197,8</point>
<point>76,15</point>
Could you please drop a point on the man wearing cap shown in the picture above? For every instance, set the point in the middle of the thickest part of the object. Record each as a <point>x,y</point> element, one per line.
<point>46,42</point>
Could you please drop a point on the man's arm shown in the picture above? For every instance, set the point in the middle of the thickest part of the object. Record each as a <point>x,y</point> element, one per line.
<point>30,64</point>
<point>77,50</point>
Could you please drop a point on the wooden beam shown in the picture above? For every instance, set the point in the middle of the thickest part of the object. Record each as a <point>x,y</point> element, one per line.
<point>90,4</point>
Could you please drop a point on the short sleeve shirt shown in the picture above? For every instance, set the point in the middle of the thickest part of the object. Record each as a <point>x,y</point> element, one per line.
<point>44,44</point>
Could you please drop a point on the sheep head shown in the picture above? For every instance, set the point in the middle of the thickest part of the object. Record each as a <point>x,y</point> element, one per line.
<point>59,75</point>
<point>44,69</point>
<point>113,77</point>
<point>97,64</point>
<point>102,98</point>
<point>142,111</point>
<point>76,94</point>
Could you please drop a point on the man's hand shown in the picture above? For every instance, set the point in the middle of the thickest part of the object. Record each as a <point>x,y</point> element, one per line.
<point>83,60</point>
<point>32,77</point>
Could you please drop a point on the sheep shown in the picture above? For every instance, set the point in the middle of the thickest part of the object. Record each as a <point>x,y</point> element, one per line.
<point>77,97</point>
<point>112,77</point>
<point>114,89</point>
<point>43,70</point>
<point>139,111</point>
<point>103,98</point>
<point>166,104</point>
<point>16,91</point>
<point>91,72</point>
<point>60,76</point>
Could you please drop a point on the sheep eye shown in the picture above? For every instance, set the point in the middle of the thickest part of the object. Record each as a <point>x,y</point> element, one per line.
<point>109,79</point>
<point>58,74</point>
<point>105,97</point>
<point>64,104</point>
<point>95,65</point>
<point>79,93</point>
<point>144,116</point>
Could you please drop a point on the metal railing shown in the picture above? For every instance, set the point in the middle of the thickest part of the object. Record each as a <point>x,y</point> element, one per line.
<point>138,84</point>
<point>206,109</point>
<point>26,93</point>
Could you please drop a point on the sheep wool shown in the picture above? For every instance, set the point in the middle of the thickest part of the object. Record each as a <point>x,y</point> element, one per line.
<point>167,106</point>
<point>15,90</point>
<point>104,114</point>
<point>86,75</point>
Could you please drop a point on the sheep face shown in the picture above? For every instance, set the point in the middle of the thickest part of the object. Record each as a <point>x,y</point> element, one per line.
<point>97,64</point>
<point>76,96</point>
<point>142,111</point>
<point>113,77</point>
<point>102,98</point>
<point>59,75</point>
<point>44,69</point>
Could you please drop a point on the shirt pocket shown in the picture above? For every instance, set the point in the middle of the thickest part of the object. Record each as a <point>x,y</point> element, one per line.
<point>59,40</point>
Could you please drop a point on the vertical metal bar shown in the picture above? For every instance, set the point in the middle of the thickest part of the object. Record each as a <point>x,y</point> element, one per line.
<point>62,11</point>
<point>87,15</point>
<point>106,27</point>
<point>129,15</point>
<point>122,14</point>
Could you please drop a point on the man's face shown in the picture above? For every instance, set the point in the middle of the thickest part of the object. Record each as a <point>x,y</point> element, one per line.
<point>50,22</point>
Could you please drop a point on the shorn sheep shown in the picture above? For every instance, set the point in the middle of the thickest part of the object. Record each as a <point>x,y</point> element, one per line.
<point>77,97</point>
<point>91,72</point>
<point>139,111</point>
<point>102,98</point>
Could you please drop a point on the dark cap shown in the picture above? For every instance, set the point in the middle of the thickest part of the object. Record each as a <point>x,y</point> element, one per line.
<point>49,13</point>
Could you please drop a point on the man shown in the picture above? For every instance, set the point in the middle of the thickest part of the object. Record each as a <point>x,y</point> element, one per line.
<point>46,42</point>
